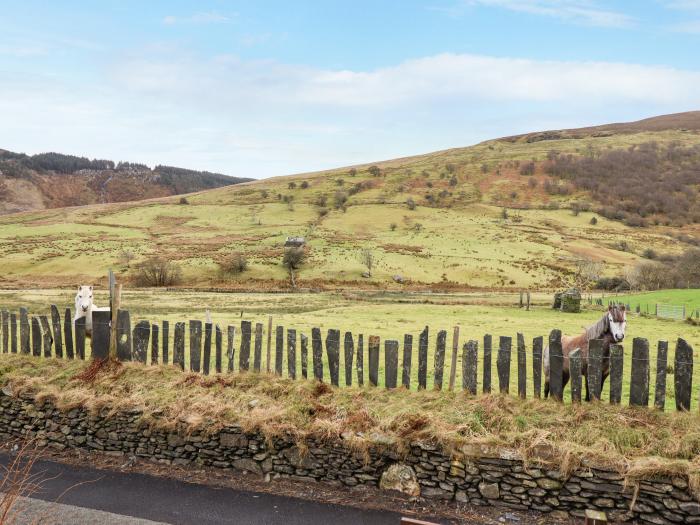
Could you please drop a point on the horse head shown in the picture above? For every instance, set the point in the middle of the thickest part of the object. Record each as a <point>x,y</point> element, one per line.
<point>617,322</point>
<point>83,300</point>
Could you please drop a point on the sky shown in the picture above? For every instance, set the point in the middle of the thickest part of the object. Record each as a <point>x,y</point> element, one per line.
<point>265,88</point>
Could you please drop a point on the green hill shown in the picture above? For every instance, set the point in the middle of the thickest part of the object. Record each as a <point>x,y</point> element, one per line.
<point>509,213</point>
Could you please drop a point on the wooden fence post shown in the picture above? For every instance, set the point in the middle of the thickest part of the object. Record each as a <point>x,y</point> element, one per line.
<point>230,348</point>
<point>24,331</point>
<point>439,359</point>
<point>37,336</point>
<point>142,334</point>
<point>683,374</point>
<point>56,327</point>
<point>469,366</point>
<point>406,361</point>
<point>46,335</point>
<point>522,367</point>
<point>279,349</point>
<point>195,345</point>
<point>661,367</point>
<point>617,363</point>
<point>391,363</point>
<point>123,335</point>
<point>304,356</point>
<point>505,344</point>
<point>639,383</point>
<point>486,387</point>
<point>360,360</point>
<point>155,343</point>
<point>453,361</point>
<point>218,343</point>
<point>179,345</point>
<point>373,349</point>
<point>333,354</point>
<point>575,372</point>
<point>166,342</point>
<point>348,354</point>
<point>257,355</point>
<point>80,338</point>
<point>528,301</point>
<point>244,352</point>
<point>292,353</point>
<point>537,366</point>
<point>67,333</point>
<point>268,359</point>
<point>101,334</point>
<point>5,332</point>
<point>13,333</point>
<point>556,363</point>
<point>206,357</point>
<point>317,353</point>
<point>594,377</point>
<point>423,359</point>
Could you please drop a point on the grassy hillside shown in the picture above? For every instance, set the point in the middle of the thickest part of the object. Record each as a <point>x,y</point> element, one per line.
<point>435,219</point>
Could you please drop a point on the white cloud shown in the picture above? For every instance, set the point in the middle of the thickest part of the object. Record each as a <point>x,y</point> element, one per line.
<point>233,82</point>
<point>692,27</point>
<point>209,17</point>
<point>262,118</point>
<point>585,12</point>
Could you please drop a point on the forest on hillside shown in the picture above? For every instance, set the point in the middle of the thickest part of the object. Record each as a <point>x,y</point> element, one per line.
<point>643,184</point>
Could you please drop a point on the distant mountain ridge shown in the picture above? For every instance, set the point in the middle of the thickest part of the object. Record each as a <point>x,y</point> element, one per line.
<point>687,121</point>
<point>55,180</point>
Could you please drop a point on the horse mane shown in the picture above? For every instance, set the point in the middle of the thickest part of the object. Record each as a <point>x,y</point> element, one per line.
<point>596,330</point>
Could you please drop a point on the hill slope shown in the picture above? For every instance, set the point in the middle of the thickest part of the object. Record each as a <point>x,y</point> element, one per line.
<point>53,180</point>
<point>504,213</point>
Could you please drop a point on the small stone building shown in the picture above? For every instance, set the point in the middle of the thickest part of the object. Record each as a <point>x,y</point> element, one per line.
<point>568,301</point>
<point>294,242</point>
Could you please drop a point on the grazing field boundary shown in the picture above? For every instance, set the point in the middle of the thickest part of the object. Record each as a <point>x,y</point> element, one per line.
<point>200,347</point>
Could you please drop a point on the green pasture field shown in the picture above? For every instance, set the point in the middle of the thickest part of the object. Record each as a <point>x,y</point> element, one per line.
<point>455,236</point>
<point>690,298</point>
<point>388,315</point>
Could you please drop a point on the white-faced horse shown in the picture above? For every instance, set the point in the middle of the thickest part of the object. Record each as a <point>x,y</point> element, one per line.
<point>610,328</point>
<point>84,307</point>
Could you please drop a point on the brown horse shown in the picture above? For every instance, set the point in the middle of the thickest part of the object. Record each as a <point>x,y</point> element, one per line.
<point>610,328</point>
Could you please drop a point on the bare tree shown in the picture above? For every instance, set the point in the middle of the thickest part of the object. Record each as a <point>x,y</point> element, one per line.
<point>367,259</point>
<point>588,271</point>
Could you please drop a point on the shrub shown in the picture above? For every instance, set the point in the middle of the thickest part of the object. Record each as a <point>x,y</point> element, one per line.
<point>392,226</point>
<point>157,271</point>
<point>183,200</point>
<point>649,254</point>
<point>411,204</point>
<point>453,181</point>
<point>293,258</point>
<point>304,184</point>
<point>321,201</point>
<point>527,169</point>
<point>593,221</point>
<point>532,183</point>
<point>352,172</point>
<point>292,185</point>
<point>340,199</point>
<point>374,171</point>
<point>234,264</point>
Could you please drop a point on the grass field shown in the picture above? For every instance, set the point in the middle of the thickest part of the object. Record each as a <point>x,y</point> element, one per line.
<point>647,300</point>
<point>456,236</point>
<point>388,315</point>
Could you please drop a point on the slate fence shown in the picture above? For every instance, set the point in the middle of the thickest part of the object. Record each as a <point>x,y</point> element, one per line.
<point>206,348</point>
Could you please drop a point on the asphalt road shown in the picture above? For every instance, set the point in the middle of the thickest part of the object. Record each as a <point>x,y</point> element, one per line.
<point>175,502</point>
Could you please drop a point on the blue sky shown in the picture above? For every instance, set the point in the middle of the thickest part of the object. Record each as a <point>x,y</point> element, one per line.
<point>263,88</point>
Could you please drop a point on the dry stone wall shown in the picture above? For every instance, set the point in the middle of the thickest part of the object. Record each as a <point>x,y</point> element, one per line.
<point>502,480</point>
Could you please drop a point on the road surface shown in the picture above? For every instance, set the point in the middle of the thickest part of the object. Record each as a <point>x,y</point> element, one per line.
<point>78,495</point>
